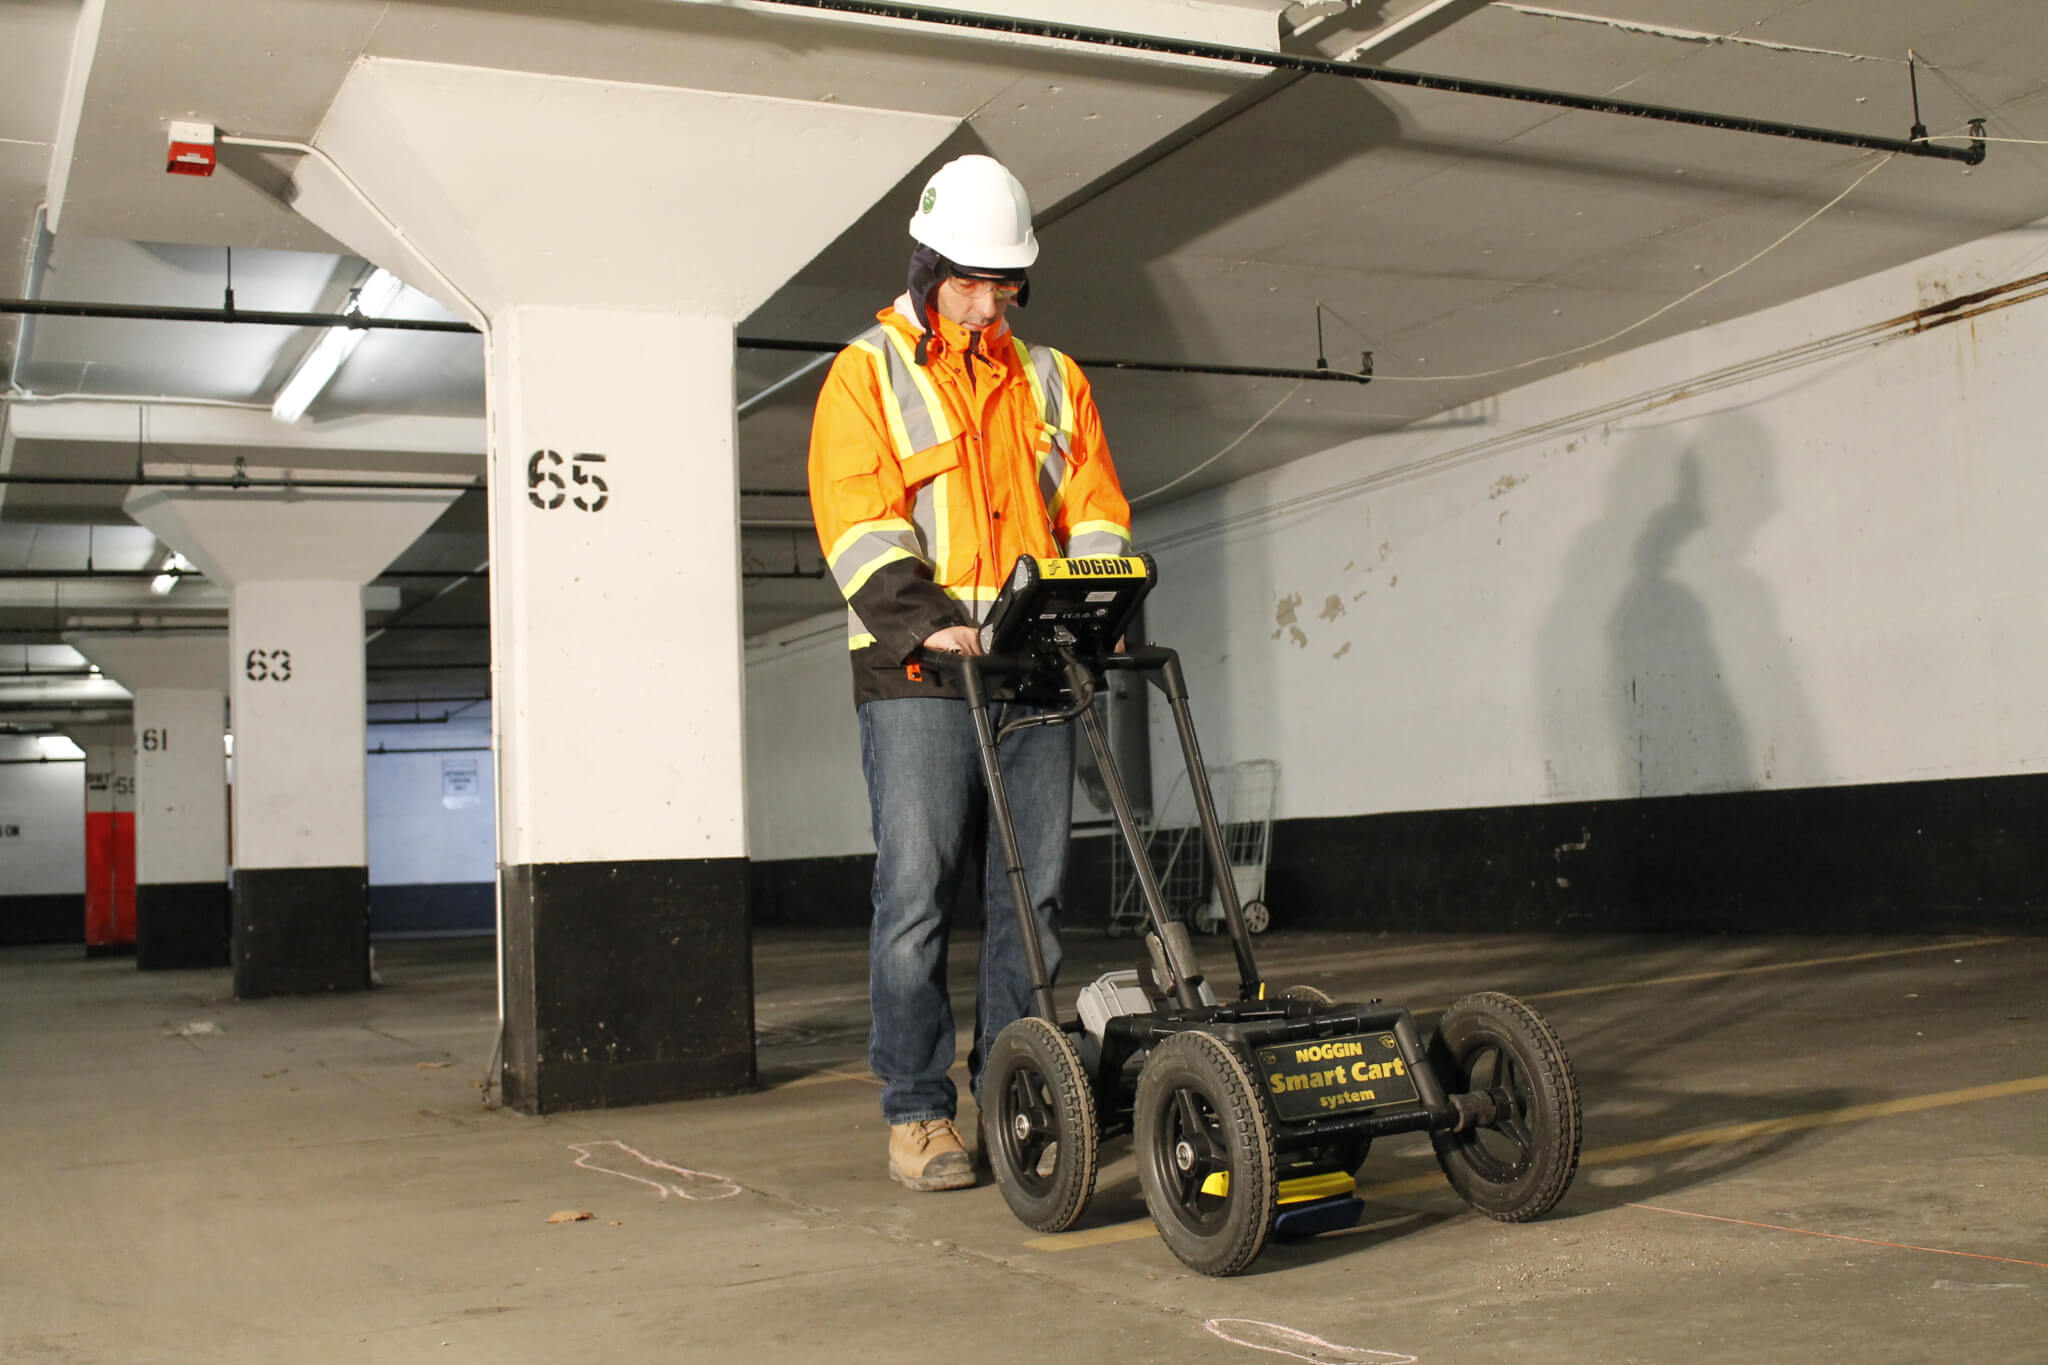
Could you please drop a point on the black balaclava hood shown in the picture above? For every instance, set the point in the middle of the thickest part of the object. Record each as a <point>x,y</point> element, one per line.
<point>929,270</point>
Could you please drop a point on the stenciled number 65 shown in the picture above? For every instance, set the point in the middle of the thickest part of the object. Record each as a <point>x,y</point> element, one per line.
<point>546,490</point>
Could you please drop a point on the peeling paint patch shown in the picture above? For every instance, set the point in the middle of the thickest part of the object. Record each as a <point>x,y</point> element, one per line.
<point>1360,593</point>
<point>1342,652</point>
<point>1585,842</point>
<point>1348,567</point>
<point>1299,639</point>
<point>1395,581</point>
<point>1284,614</point>
<point>1333,607</point>
<point>1506,484</point>
<point>1386,549</point>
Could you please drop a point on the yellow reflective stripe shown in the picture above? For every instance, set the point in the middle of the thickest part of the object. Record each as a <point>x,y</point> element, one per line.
<point>1100,528</point>
<point>866,571</point>
<point>859,641</point>
<point>892,409</point>
<point>880,525</point>
<point>942,426</point>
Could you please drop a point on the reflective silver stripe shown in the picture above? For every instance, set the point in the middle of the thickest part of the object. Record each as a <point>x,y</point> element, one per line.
<point>1046,361</point>
<point>860,558</point>
<point>1098,543</point>
<point>917,416</point>
<point>1052,477</point>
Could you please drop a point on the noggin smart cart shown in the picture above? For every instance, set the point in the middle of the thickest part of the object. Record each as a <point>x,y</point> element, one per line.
<point>1249,1115</point>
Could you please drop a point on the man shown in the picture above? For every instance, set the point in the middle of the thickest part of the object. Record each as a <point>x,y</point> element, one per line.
<point>943,448</point>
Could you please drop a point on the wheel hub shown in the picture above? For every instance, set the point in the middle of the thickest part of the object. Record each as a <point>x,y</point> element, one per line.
<point>1020,1125</point>
<point>1184,1155</point>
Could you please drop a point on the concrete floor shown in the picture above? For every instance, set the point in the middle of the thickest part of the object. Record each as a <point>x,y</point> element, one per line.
<point>1796,1150</point>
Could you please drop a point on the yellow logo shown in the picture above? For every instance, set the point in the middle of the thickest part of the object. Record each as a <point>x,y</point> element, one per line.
<point>1099,566</point>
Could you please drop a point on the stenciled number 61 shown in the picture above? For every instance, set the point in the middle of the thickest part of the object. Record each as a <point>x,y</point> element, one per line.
<point>546,490</point>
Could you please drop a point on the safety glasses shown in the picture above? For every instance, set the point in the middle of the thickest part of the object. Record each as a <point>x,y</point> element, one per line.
<point>1005,290</point>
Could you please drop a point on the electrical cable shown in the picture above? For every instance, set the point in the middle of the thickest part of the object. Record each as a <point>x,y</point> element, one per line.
<point>31,398</point>
<point>1241,438</point>
<point>1757,368</point>
<point>1801,226</point>
<point>477,314</point>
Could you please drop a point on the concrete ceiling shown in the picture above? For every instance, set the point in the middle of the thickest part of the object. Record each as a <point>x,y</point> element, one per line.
<point>1189,212</point>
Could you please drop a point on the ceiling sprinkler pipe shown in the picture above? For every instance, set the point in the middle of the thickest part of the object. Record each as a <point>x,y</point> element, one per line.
<point>1418,80</point>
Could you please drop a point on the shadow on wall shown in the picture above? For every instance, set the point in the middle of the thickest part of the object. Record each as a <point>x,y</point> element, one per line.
<point>1663,666</point>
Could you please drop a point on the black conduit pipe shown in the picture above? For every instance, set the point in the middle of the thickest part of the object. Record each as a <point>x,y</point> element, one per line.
<point>135,312</point>
<point>1419,80</point>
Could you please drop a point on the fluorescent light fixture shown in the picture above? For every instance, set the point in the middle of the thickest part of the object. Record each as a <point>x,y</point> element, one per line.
<point>167,577</point>
<point>373,298</point>
<point>227,744</point>
<point>58,746</point>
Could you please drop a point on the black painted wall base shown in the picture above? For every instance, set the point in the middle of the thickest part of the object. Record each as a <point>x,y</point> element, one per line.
<point>181,925</point>
<point>110,950</point>
<point>42,919</point>
<point>301,930</point>
<point>434,908</point>
<point>1893,858</point>
<point>626,983</point>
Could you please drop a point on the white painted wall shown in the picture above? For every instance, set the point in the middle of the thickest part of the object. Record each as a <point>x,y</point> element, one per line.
<point>44,805</point>
<point>1603,587</point>
<point>1599,586</point>
<point>806,797</point>
<point>432,816</point>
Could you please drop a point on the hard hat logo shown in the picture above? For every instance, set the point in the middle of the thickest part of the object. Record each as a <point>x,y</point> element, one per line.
<point>976,214</point>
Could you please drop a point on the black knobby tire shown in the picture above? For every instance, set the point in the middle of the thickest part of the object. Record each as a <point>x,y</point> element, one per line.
<point>1198,1116</point>
<point>1345,1154</point>
<point>1038,1119</point>
<point>1518,1167</point>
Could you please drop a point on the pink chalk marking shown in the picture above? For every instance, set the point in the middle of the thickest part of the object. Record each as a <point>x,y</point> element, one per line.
<point>719,1187</point>
<point>1286,1341</point>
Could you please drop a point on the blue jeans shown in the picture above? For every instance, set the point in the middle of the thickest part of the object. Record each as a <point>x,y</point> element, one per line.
<point>925,792</point>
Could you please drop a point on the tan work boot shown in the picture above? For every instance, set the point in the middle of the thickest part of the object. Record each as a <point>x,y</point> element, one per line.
<point>928,1155</point>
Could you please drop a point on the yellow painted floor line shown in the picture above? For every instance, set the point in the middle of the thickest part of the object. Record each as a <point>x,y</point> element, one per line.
<point>1628,1151</point>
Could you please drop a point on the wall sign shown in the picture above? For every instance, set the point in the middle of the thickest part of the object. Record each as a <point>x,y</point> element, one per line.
<point>459,785</point>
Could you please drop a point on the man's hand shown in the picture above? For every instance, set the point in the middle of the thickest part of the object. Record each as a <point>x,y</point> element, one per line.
<point>955,640</point>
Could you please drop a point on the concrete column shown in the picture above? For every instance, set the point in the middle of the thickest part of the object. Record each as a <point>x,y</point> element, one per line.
<point>296,567</point>
<point>617,660</point>
<point>109,837</point>
<point>606,800</point>
<point>180,803</point>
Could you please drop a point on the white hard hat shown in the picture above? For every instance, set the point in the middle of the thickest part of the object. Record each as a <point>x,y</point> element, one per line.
<point>976,214</point>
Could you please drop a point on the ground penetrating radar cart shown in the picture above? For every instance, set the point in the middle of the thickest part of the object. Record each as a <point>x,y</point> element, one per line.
<point>1251,1115</point>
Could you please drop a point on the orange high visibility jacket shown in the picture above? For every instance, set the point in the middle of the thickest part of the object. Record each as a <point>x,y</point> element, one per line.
<point>928,481</point>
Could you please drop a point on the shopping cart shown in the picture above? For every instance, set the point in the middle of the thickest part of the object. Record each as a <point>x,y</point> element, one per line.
<point>1244,794</point>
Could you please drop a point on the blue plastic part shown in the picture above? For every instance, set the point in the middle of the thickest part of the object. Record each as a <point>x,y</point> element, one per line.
<point>1324,1215</point>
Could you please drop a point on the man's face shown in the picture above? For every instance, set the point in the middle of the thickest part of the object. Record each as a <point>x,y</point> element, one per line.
<point>974,304</point>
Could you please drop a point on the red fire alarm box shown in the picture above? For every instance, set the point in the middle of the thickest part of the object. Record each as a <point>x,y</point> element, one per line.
<point>192,149</point>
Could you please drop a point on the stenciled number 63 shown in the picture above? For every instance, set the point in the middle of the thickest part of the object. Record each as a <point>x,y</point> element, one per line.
<point>546,490</point>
